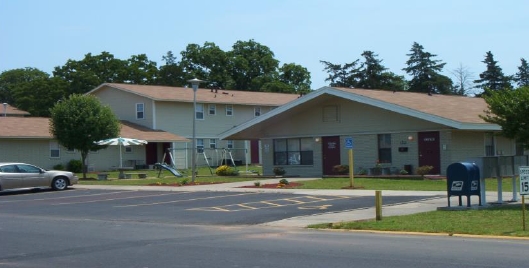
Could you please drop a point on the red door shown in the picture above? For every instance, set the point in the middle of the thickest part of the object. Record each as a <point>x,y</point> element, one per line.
<point>151,152</point>
<point>430,151</point>
<point>254,149</point>
<point>331,153</point>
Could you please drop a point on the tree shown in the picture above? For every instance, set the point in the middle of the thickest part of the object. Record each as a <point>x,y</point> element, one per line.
<point>509,109</point>
<point>251,65</point>
<point>342,76</point>
<point>492,78</point>
<point>425,72</point>
<point>12,79</point>
<point>170,74</point>
<point>522,76</point>
<point>373,75</point>
<point>139,70</point>
<point>80,120</point>
<point>296,77</point>
<point>90,72</point>
<point>39,95</point>
<point>463,78</point>
<point>208,62</point>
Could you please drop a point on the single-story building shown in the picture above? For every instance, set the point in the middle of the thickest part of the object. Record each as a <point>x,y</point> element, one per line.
<point>394,130</point>
<point>28,139</point>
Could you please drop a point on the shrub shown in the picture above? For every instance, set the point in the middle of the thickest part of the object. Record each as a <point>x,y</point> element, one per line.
<point>185,181</point>
<point>58,167</point>
<point>257,184</point>
<point>423,170</point>
<point>225,170</point>
<point>279,171</point>
<point>403,172</point>
<point>362,171</point>
<point>341,169</point>
<point>75,166</point>
<point>284,181</point>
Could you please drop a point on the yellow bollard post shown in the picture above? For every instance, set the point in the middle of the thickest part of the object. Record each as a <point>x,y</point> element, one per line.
<point>378,205</point>
<point>351,168</point>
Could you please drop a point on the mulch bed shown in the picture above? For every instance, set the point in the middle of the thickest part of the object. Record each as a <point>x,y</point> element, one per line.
<point>275,185</point>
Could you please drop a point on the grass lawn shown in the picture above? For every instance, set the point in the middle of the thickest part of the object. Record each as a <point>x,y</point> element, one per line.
<point>395,184</point>
<point>505,220</point>
<point>165,177</point>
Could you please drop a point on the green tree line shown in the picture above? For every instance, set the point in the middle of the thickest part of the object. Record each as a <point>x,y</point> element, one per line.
<point>248,66</point>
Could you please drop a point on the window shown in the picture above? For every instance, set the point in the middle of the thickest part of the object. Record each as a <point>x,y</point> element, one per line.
<point>257,111</point>
<point>128,149</point>
<point>140,113</point>
<point>200,145</point>
<point>384,148</point>
<point>519,148</point>
<point>71,151</point>
<point>55,151</point>
<point>212,109</point>
<point>199,111</point>
<point>212,143</point>
<point>297,151</point>
<point>489,145</point>
<point>230,144</point>
<point>229,110</point>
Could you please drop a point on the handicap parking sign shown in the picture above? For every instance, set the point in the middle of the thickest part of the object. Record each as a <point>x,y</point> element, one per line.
<point>349,142</point>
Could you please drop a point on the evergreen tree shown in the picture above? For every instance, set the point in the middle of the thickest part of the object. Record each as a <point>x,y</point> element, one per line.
<point>492,78</point>
<point>522,76</point>
<point>373,75</point>
<point>342,76</point>
<point>425,72</point>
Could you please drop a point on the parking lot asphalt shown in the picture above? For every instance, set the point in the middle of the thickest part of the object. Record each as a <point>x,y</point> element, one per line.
<point>428,201</point>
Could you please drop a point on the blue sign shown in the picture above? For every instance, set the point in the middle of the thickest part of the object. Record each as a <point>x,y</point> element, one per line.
<point>349,142</point>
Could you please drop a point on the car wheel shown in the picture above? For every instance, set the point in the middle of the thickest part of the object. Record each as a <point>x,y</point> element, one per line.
<point>59,183</point>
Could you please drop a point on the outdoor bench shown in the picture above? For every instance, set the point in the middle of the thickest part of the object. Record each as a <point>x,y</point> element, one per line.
<point>102,176</point>
<point>140,175</point>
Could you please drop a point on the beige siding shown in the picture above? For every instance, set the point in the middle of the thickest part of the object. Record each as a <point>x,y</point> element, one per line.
<point>353,118</point>
<point>123,104</point>
<point>36,152</point>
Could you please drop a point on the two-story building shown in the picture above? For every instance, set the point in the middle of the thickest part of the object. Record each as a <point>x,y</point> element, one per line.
<point>171,109</point>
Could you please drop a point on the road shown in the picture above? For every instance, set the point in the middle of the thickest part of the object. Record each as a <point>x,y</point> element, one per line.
<point>105,228</point>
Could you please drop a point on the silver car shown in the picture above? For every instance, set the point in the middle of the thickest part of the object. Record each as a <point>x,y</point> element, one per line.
<point>20,175</point>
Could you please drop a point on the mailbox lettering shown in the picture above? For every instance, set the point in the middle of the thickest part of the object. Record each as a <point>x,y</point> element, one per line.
<point>457,186</point>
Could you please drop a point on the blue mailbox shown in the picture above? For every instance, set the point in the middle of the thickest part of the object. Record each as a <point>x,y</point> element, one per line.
<point>462,179</point>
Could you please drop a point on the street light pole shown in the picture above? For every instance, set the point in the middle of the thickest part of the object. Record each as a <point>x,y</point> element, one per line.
<point>194,83</point>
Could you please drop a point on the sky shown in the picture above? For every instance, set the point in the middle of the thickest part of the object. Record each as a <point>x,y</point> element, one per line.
<point>46,34</point>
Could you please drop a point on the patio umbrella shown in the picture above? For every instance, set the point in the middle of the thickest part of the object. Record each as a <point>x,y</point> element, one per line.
<point>121,142</point>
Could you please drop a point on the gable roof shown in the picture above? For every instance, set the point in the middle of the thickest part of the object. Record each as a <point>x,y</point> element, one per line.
<point>39,128</point>
<point>221,96</point>
<point>9,110</point>
<point>457,112</point>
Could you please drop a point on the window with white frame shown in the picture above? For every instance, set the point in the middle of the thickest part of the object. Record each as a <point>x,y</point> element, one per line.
<point>212,143</point>
<point>384,148</point>
<point>212,109</point>
<point>257,111</point>
<point>200,145</point>
<point>296,151</point>
<point>229,110</point>
<point>55,150</point>
<point>199,111</point>
<point>70,151</point>
<point>230,144</point>
<point>140,111</point>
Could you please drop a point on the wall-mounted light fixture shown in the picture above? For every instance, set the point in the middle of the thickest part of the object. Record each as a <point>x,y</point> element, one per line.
<point>410,138</point>
<point>317,139</point>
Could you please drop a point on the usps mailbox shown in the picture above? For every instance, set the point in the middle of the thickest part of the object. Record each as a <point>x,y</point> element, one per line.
<point>463,180</point>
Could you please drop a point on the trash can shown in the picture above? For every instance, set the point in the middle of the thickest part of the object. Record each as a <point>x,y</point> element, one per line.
<point>463,179</point>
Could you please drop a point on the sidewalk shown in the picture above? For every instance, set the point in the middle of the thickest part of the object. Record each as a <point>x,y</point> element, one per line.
<point>432,201</point>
